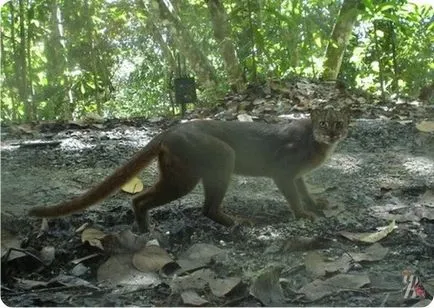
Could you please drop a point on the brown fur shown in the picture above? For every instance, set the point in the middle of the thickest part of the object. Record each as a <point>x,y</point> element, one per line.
<point>212,151</point>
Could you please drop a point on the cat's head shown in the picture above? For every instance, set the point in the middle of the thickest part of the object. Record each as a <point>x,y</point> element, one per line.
<point>330,123</point>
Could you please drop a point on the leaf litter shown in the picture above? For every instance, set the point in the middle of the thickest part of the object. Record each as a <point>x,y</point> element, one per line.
<point>284,97</point>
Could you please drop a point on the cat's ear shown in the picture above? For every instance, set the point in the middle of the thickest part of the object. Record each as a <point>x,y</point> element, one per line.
<point>314,113</point>
<point>346,111</point>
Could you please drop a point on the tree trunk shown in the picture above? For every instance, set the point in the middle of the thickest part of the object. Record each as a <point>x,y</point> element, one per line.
<point>14,78</point>
<point>253,42</point>
<point>93,55</point>
<point>23,85</point>
<point>222,34</point>
<point>340,37</point>
<point>380,63</point>
<point>32,106</point>
<point>59,94</point>
<point>395,85</point>
<point>152,26</point>
<point>184,41</point>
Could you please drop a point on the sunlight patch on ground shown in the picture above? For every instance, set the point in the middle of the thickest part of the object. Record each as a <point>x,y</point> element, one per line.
<point>71,143</point>
<point>345,163</point>
<point>421,166</point>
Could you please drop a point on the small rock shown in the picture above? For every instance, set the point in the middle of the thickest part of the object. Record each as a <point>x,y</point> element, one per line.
<point>79,270</point>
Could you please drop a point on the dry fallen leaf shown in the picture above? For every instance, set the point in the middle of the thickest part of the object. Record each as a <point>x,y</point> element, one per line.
<point>47,255</point>
<point>27,284</point>
<point>221,287</point>
<point>374,252</point>
<point>194,281</point>
<point>198,256</point>
<point>243,117</point>
<point>341,282</point>
<point>123,242</point>
<point>190,297</point>
<point>72,281</point>
<point>151,259</point>
<point>368,237</point>
<point>133,186</point>
<point>426,126</point>
<point>93,237</point>
<point>316,265</point>
<point>266,287</point>
<point>9,240</point>
<point>118,270</point>
<point>427,199</point>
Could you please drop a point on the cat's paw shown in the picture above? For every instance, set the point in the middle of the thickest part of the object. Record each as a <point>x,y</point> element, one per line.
<point>307,215</point>
<point>244,221</point>
<point>321,204</point>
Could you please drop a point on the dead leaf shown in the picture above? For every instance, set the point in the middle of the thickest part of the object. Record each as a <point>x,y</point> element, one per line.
<point>27,284</point>
<point>93,237</point>
<point>316,265</point>
<point>427,199</point>
<point>47,255</point>
<point>198,256</point>
<point>10,240</point>
<point>118,270</point>
<point>221,287</point>
<point>368,237</point>
<point>194,281</point>
<point>133,186</point>
<point>79,270</point>
<point>374,252</point>
<point>72,281</point>
<point>390,207</point>
<point>426,126</point>
<point>151,259</point>
<point>192,298</point>
<point>266,287</point>
<point>424,212</point>
<point>319,288</point>
<point>243,117</point>
<point>123,242</point>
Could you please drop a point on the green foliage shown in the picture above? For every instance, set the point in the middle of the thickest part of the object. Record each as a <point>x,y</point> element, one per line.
<point>397,39</point>
<point>102,56</point>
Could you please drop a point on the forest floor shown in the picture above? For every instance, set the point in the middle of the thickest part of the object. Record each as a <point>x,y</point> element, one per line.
<point>381,175</point>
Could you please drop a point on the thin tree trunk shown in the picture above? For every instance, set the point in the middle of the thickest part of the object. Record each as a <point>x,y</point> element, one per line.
<point>184,41</point>
<point>57,73</point>
<point>93,55</point>
<point>31,102</point>
<point>252,39</point>
<point>14,79</point>
<point>380,63</point>
<point>394,59</point>
<point>23,85</point>
<point>222,34</point>
<point>339,39</point>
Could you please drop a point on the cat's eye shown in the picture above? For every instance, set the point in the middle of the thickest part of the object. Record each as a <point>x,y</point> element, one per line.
<point>339,124</point>
<point>322,124</point>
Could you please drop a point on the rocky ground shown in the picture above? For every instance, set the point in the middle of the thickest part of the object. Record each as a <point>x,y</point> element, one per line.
<point>373,247</point>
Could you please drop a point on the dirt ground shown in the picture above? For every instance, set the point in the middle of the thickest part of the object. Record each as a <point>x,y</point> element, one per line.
<point>382,164</point>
